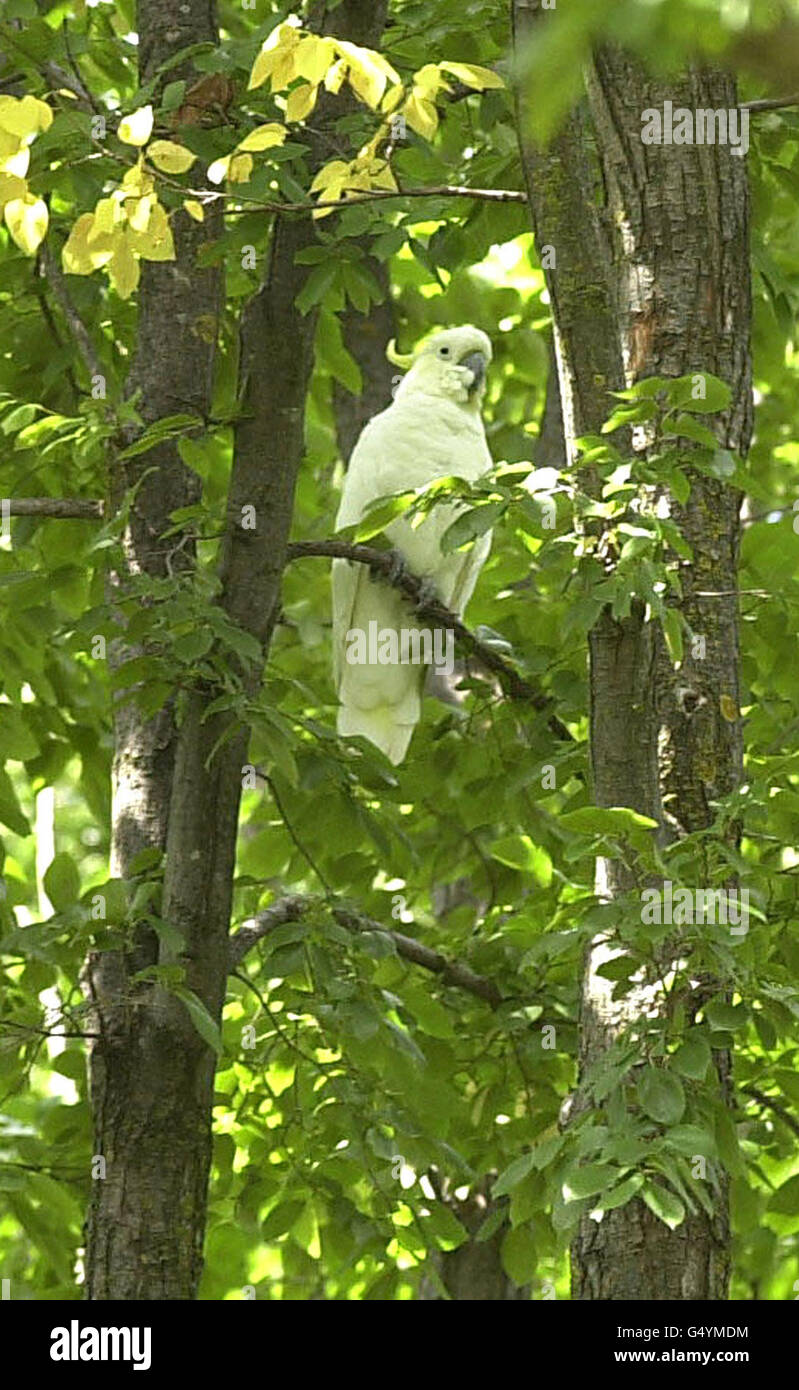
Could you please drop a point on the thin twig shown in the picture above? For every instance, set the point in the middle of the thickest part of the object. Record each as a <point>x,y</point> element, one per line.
<point>771,1104</point>
<point>78,329</point>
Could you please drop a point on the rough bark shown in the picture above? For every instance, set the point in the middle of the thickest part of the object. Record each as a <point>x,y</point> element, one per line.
<point>145,1220</point>
<point>366,338</point>
<point>652,282</point>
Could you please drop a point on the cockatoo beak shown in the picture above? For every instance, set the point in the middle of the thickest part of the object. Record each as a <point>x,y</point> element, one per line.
<point>477,364</point>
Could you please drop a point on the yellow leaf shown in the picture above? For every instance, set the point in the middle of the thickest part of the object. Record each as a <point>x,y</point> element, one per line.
<point>429,81</point>
<point>156,243</point>
<point>421,115</point>
<point>138,179</point>
<point>301,102</point>
<point>366,75</point>
<point>335,76</point>
<point>240,168</point>
<point>170,157</point>
<point>284,72</point>
<point>108,215</point>
<point>728,708</point>
<point>370,56</point>
<point>123,269</point>
<point>11,187</point>
<point>392,99</point>
<point>383,177</point>
<point>76,258</point>
<point>25,118</point>
<point>261,70</point>
<point>26,219</point>
<point>194,209</point>
<point>14,158</point>
<point>263,137</point>
<point>138,211</point>
<point>359,180</point>
<point>282,40</point>
<point>472,75</point>
<point>330,173</point>
<point>313,57</point>
<point>136,129</point>
<point>217,172</point>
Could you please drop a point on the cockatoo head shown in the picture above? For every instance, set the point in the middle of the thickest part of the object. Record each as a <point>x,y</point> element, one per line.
<point>452,364</point>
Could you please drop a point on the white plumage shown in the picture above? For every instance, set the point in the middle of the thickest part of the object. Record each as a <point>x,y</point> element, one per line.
<point>432,429</point>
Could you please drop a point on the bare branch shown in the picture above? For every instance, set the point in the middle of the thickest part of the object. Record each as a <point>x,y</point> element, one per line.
<point>769,103</point>
<point>447,190</point>
<point>294,907</point>
<point>64,508</point>
<point>78,329</point>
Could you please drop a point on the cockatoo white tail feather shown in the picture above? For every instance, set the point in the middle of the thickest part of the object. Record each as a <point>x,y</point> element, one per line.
<point>432,429</point>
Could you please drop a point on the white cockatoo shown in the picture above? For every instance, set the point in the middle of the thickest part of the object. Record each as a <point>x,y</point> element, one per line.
<point>432,429</point>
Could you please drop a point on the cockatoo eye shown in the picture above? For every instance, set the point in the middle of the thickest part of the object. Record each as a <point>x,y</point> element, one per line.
<point>443,352</point>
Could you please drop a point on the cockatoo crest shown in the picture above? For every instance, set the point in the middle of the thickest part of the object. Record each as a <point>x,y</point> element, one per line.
<point>452,364</point>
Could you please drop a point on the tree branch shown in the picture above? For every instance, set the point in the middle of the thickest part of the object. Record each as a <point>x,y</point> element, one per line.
<point>445,190</point>
<point>769,103</point>
<point>295,906</point>
<point>78,329</point>
<point>64,508</point>
<point>383,562</point>
<point>770,1103</point>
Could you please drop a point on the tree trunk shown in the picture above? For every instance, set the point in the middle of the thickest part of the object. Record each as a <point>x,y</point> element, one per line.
<point>654,283</point>
<point>145,1222</point>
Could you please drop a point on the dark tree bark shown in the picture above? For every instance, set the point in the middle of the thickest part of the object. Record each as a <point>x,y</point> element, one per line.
<point>366,338</point>
<point>146,1217</point>
<point>655,281</point>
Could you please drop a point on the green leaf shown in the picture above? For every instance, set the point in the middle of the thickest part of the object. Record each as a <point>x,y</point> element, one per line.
<point>785,1200</point>
<point>588,1179</point>
<point>192,645</point>
<point>159,431</point>
<point>690,1140</point>
<point>717,394</point>
<point>519,852</point>
<point>513,1174</point>
<point>614,821</point>
<point>666,1206</point>
<point>62,882</point>
<point>10,809</point>
<point>672,631</point>
<point>471,524</point>
<point>16,739</point>
<point>379,517</point>
<point>692,1058</point>
<point>685,427</point>
<point>201,1018</point>
<point>728,1017</point>
<point>661,1095</point>
<point>621,1194</point>
<point>519,1256</point>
